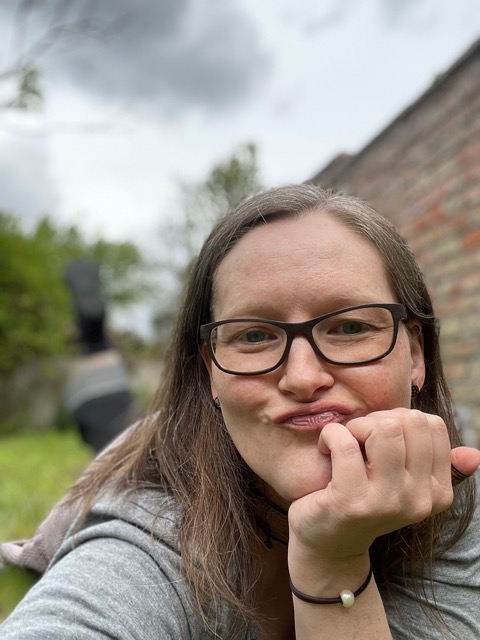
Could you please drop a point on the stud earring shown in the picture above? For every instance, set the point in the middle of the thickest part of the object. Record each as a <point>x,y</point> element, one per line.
<point>415,391</point>
<point>216,402</point>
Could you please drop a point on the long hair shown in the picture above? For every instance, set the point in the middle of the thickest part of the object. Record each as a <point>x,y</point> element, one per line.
<point>185,449</point>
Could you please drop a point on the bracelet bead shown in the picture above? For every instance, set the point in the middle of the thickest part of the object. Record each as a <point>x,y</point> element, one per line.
<point>348,598</point>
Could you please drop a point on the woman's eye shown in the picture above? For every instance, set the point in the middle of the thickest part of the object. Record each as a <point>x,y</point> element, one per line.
<point>352,328</point>
<point>254,336</point>
<point>349,328</point>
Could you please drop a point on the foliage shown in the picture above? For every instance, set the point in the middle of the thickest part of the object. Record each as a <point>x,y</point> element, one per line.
<point>227,184</point>
<point>232,181</point>
<point>35,308</point>
<point>27,91</point>
<point>51,461</point>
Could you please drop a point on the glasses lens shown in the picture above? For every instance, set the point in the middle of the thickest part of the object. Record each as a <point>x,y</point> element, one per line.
<point>246,347</point>
<point>355,336</point>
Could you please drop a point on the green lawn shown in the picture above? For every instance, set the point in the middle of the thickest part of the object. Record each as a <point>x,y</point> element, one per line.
<point>36,468</point>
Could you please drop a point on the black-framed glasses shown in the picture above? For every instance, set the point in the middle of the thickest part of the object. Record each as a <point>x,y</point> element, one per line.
<point>355,335</point>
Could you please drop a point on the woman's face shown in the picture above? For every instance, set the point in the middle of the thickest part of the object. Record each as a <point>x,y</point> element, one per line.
<point>294,270</point>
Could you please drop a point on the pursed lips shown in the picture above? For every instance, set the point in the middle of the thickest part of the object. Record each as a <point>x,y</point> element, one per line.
<point>313,420</point>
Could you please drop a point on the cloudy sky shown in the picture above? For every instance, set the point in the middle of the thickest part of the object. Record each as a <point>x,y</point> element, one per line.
<point>151,93</point>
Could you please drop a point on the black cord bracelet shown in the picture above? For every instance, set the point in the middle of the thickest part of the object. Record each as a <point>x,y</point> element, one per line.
<point>346,597</point>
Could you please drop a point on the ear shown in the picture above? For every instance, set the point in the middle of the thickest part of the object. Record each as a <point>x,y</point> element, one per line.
<point>416,352</point>
<point>207,359</point>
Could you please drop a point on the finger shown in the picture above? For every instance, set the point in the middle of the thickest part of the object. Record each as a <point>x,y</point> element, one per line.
<point>441,450</point>
<point>383,439</point>
<point>465,459</point>
<point>385,448</point>
<point>348,466</point>
<point>423,447</point>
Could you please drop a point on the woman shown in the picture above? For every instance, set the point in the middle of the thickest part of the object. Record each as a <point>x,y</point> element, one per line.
<point>304,375</point>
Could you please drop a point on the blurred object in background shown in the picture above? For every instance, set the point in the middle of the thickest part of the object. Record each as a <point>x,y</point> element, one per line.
<point>83,280</point>
<point>98,392</point>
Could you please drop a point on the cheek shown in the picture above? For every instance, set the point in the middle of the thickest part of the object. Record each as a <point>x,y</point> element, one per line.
<point>392,392</point>
<point>239,394</point>
<point>385,384</point>
<point>243,403</point>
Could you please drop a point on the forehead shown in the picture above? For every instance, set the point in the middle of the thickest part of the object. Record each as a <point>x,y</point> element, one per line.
<point>290,261</point>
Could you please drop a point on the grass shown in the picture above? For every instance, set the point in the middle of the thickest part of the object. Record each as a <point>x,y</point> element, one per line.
<point>36,468</point>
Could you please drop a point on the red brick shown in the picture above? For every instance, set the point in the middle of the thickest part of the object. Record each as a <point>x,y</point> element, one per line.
<point>472,240</point>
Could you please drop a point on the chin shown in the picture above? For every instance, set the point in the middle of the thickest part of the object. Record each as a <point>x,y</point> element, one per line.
<point>297,488</point>
<point>307,489</point>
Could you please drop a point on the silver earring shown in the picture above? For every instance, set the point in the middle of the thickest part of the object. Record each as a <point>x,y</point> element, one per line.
<point>216,402</point>
<point>415,391</point>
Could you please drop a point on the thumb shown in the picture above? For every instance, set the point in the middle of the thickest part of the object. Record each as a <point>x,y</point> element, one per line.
<point>465,459</point>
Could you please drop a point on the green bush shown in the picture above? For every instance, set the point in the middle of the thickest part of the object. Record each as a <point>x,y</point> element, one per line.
<point>37,322</point>
<point>36,468</point>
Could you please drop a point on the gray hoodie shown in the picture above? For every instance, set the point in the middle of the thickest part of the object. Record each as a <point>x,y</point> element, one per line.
<point>119,577</point>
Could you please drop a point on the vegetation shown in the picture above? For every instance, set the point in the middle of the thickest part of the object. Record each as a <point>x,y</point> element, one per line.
<point>35,309</point>
<point>36,314</point>
<point>181,238</point>
<point>35,471</point>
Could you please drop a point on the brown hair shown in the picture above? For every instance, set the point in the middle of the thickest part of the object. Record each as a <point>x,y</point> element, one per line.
<point>185,449</point>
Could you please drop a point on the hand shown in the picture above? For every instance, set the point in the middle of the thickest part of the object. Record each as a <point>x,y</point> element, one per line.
<point>389,469</point>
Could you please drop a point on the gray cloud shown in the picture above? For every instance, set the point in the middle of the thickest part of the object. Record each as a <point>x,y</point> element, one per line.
<point>411,13</point>
<point>173,54</point>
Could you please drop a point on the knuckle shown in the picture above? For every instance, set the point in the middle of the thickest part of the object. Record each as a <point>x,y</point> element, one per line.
<point>417,415</point>
<point>349,448</point>
<point>444,502</point>
<point>438,425</point>
<point>412,505</point>
<point>391,427</point>
<point>422,509</point>
<point>419,419</point>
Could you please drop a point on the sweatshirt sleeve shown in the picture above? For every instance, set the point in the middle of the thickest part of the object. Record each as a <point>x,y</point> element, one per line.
<point>451,600</point>
<point>105,588</point>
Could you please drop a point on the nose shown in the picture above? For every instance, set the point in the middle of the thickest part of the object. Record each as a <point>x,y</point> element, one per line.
<point>304,373</point>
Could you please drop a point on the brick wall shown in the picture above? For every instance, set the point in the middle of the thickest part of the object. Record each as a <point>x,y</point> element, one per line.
<point>423,173</point>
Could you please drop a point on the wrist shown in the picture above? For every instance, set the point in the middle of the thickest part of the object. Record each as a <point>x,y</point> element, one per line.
<point>346,597</point>
<point>326,576</point>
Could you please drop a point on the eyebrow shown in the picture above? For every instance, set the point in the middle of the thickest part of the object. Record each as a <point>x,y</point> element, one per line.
<point>259,310</point>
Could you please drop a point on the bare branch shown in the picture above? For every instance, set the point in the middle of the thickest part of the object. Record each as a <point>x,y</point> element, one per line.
<point>70,26</point>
